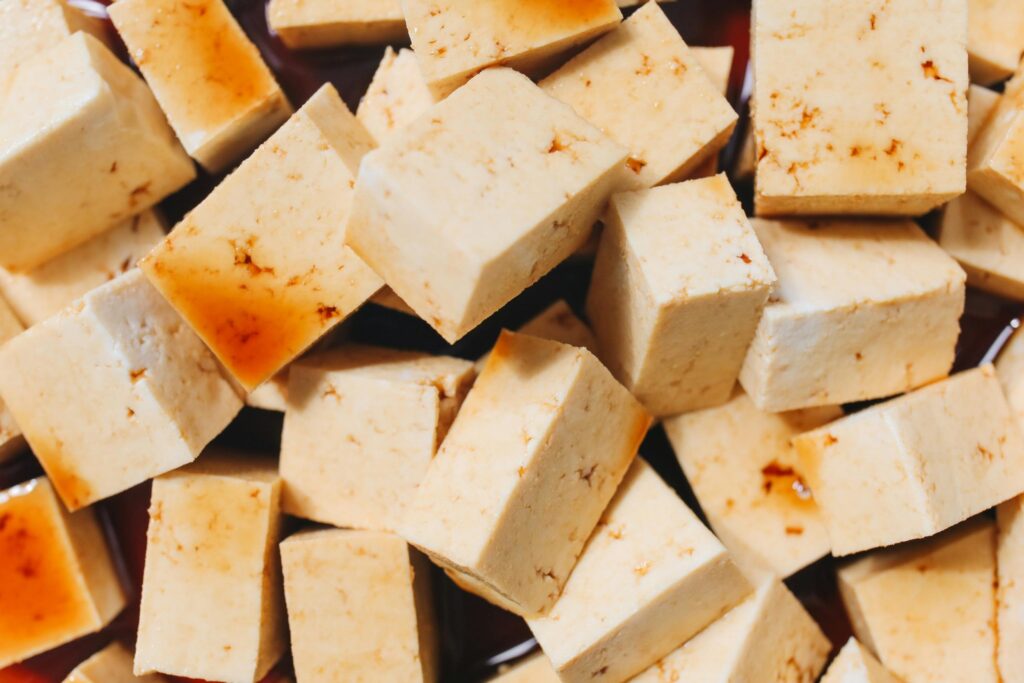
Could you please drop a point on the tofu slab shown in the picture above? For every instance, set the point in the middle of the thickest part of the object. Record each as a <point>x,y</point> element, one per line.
<point>995,39</point>
<point>28,27</point>
<point>1010,595</point>
<point>11,441</point>
<point>323,23</point>
<point>112,664</point>
<point>856,664</point>
<point>987,245</point>
<point>993,166</point>
<point>397,96</point>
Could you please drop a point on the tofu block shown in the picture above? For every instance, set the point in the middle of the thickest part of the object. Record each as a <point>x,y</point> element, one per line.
<point>995,39</point>
<point>1010,590</point>
<point>57,578</point>
<point>11,441</point>
<point>717,65</point>
<point>29,27</point>
<point>271,395</point>
<point>84,146</point>
<point>859,107</point>
<point>386,298</point>
<point>212,604</point>
<point>1010,370</point>
<point>558,323</point>
<point>456,39</point>
<point>458,221</point>
<point>112,664</point>
<point>861,310</point>
<point>743,468</point>
<point>994,168</point>
<point>987,245</point>
<point>258,268</point>
<point>559,434</point>
<point>981,102</point>
<point>361,427</point>
<point>210,80</point>
<point>915,465</point>
<point>927,610</point>
<point>679,285</point>
<point>856,664</point>
<point>397,96</point>
<point>651,577</point>
<point>359,608</point>
<point>534,669</point>
<point>114,390</point>
<point>646,89</point>
<point>325,23</point>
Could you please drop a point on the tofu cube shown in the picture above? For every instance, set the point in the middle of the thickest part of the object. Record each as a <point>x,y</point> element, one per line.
<point>651,577</point>
<point>862,310</point>
<point>114,390</point>
<point>534,669</point>
<point>559,434</point>
<point>717,65</point>
<point>323,23</point>
<point>112,664</point>
<point>84,146</point>
<point>679,285</point>
<point>995,39</point>
<point>915,465</point>
<point>994,168</point>
<point>856,664</point>
<point>981,102</point>
<point>987,245</point>
<point>11,441</point>
<point>29,27</point>
<point>397,96</point>
<point>359,608</point>
<point>271,395</point>
<point>859,107</point>
<point>212,604</point>
<point>259,269</point>
<point>1010,370</point>
<point>458,221</point>
<point>58,580</point>
<point>219,96</point>
<point>558,323</point>
<point>1010,596</point>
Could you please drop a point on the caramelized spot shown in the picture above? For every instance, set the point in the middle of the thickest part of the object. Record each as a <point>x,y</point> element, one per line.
<point>794,530</point>
<point>635,165</point>
<point>783,480</point>
<point>546,17</point>
<point>932,71</point>
<point>136,375</point>
<point>744,258</point>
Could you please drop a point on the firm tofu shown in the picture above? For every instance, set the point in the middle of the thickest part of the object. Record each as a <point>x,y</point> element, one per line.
<point>856,664</point>
<point>981,102</point>
<point>84,146</point>
<point>29,27</point>
<point>58,580</point>
<point>479,198</point>
<point>397,96</point>
<point>11,441</point>
<point>114,390</point>
<point>995,39</point>
<point>861,310</point>
<point>859,107</point>
<point>717,65</point>
<point>915,465</point>
<point>359,608</point>
<point>326,23</point>
<point>987,245</point>
<point>994,169</point>
<point>112,664</point>
<point>644,87</point>
<point>745,472</point>
<point>558,433</point>
<point>534,669</point>
<point>259,269</point>
<point>212,605</point>
<point>1010,596</point>
<point>927,610</point>
<point>1010,370</point>
<point>456,39</point>
<point>271,395</point>
<point>678,288</point>
<point>210,80</point>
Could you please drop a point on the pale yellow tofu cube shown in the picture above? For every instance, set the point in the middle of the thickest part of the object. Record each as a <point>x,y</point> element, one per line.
<point>11,441</point>
<point>717,65</point>
<point>1010,370</point>
<point>328,23</point>
<point>558,323</point>
<point>112,664</point>
<point>856,664</point>
<point>29,27</point>
<point>995,38</point>
<point>994,166</point>
<point>397,96</point>
<point>1010,596</point>
<point>981,102</point>
<point>271,395</point>
<point>987,245</point>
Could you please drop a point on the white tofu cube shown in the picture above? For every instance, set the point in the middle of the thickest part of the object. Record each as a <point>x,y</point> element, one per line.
<point>856,664</point>
<point>1010,596</point>
<point>995,38</point>
<point>112,664</point>
<point>397,96</point>
<point>981,102</point>
<point>325,23</point>
<point>994,163</point>
<point>987,245</point>
<point>29,27</point>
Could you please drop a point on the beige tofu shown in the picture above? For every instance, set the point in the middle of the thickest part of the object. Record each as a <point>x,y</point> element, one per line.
<point>987,245</point>
<point>644,87</point>
<point>29,27</point>
<point>743,468</point>
<point>717,65</point>
<point>212,604</point>
<point>862,310</point>
<point>84,146</point>
<point>112,664</point>
<point>1010,370</point>
<point>634,3</point>
<point>456,39</point>
<point>995,38</point>
<point>258,268</point>
<point>534,669</point>
<point>559,434</point>
<point>558,323</point>
<point>11,441</point>
<point>994,168</point>
<point>678,287</point>
<point>859,107</point>
<point>58,580</point>
<point>915,465</point>
<point>1010,595</point>
<point>359,608</point>
<point>387,298</point>
<point>651,577</point>
<point>458,221</point>
<point>209,78</point>
<point>927,609</point>
<point>271,395</point>
<point>397,96</point>
<point>981,102</point>
<point>325,23</point>
<point>856,664</point>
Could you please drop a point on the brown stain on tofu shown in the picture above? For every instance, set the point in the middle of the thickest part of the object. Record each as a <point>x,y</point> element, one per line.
<point>784,483</point>
<point>49,450</point>
<point>553,16</point>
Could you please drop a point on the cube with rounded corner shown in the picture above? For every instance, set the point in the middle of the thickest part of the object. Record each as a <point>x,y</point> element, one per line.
<point>1010,597</point>
<point>987,245</point>
<point>325,23</point>
<point>112,664</point>
<point>28,27</point>
<point>397,96</point>
<point>856,664</point>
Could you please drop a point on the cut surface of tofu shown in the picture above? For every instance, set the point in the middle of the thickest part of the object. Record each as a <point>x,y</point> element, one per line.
<point>112,664</point>
<point>995,38</point>
<point>981,102</point>
<point>326,23</point>
<point>11,441</point>
<point>397,96</point>
<point>558,323</point>
<point>271,395</point>
<point>993,165</point>
<point>987,245</point>
<point>1010,596</point>
<point>28,27</point>
<point>1010,370</point>
<point>856,664</point>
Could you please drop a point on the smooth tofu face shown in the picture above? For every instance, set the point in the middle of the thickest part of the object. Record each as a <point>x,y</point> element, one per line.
<point>994,166</point>
<point>981,102</point>
<point>455,39</point>
<point>469,205</point>
<point>112,664</point>
<point>534,669</point>
<point>323,23</point>
<point>678,287</point>
<point>716,63</point>
<point>28,27</point>
<point>258,268</point>
<point>558,323</point>
<point>57,579</point>
<point>987,245</point>
<point>651,576</point>
<point>1010,370</point>
<point>855,664</point>
<point>859,109</point>
<point>210,80</point>
<point>995,38</point>
<point>1010,597</point>
<point>861,310</point>
<point>359,608</point>
<point>397,96</point>
<point>11,441</point>
<point>646,89</point>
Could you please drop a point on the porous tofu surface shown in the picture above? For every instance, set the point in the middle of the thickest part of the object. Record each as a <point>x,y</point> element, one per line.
<point>27,27</point>
<point>112,664</point>
<point>323,23</point>
<point>1010,595</point>
<point>981,102</point>
<point>397,96</point>
<point>987,245</point>
<point>856,664</point>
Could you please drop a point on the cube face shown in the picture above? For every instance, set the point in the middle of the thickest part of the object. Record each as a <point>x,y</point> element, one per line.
<point>321,23</point>
<point>855,663</point>
<point>1010,370</point>
<point>981,102</point>
<point>534,669</point>
<point>397,96</point>
<point>1010,596</point>
<point>994,170</point>
<point>112,664</point>
<point>896,146</point>
<point>28,27</point>
<point>994,42</point>
<point>987,245</point>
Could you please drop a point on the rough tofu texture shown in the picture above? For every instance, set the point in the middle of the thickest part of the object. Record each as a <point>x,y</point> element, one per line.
<point>397,95</point>
<point>987,245</point>
<point>361,428</point>
<point>915,465</point>
<point>995,169</point>
<point>856,664</point>
<point>57,579</point>
<point>11,441</point>
<point>359,608</point>
<point>1010,596</point>
<point>28,27</point>
<point>651,577</point>
<point>114,390</point>
<point>1010,370</point>
<point>112,664</point>
<point>646,89</point>
<point>212,605</point>
<point>679,285</point>
<point>455,39</point>
<point>745,473</point>
<point>927,610</point>
<point>325,23</point>
<point>859,107</point>
<point>981,102</point>
<point>558,433</point>
<point>210,80</point>
<point>258,268</point>
<point>861,310</point>
<point>469,205</point>
<point>84,146</point>
<point>995,38</point>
